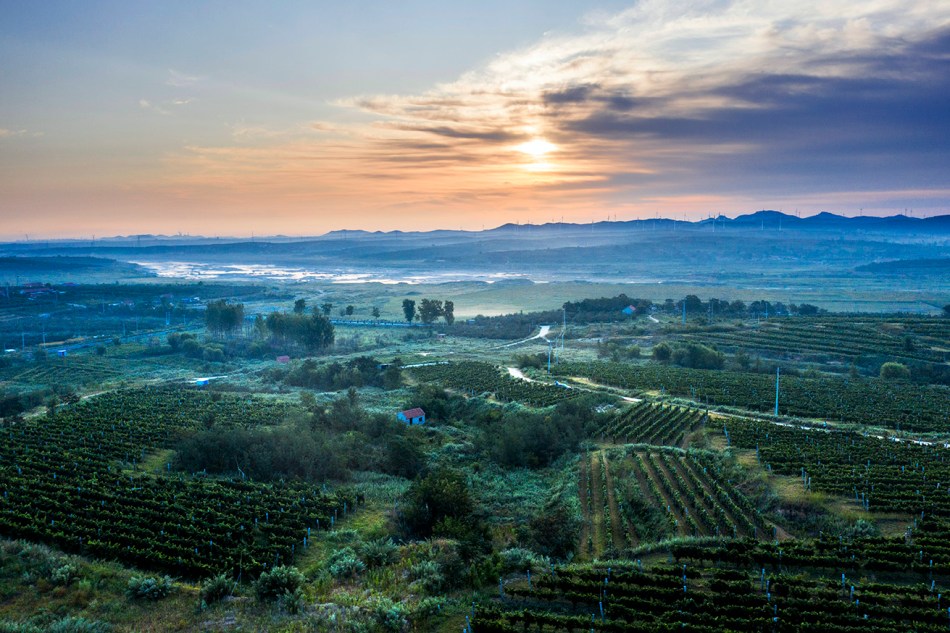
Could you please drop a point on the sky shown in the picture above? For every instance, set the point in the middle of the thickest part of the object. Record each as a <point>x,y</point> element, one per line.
<point>297,118</point>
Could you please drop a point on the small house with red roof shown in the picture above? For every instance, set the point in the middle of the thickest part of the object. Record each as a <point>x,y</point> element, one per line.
<point>412,416</point>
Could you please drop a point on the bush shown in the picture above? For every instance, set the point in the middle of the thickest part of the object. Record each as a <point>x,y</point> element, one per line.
<point>272,584</point>
<point>291,601</point>
<point>217,588</point>
<point>63,575</point>
<point>519,560</point>
<point>345,564</point>
<point>78,625</point>
<point>391,616</point>
<point>662,352</point>
<point>894,371</point>
<point>149,587</point>
<point>697,356</point>
<point>428,576</point>
<point>379,553</point>
<point>66,625</point>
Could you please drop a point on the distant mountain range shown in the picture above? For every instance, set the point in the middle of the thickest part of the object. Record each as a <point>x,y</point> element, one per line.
<point>768,219</point>
<point>762,220</point>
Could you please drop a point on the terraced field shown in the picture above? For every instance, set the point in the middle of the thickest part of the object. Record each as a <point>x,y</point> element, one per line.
<point>635,495</point>
<point>648,423</point>
<point>920,339</point>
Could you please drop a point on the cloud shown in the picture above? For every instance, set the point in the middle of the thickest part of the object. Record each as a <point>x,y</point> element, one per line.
<point>8,133</point>
<point>658,103</point>
<point>145,104</point>
<point>181,80</point>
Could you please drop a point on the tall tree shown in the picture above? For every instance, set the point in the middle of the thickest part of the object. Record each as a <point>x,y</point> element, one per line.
<point>326,308</point>
<point>349,310</point>
<point>409,309</point>
<point>448,312</point>
<point>222,317</point>
<point>430,310</point>
<point>299,306</point>
<point>375,312</point>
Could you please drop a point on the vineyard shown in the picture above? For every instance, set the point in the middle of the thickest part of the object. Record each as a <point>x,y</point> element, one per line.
<point>904,338</point>
<point>865,401</point>
<point>79,370</point>
<point>630,597</point>
<point>74,480</point>
<point>637,495</point>
<point>646,423</point>
<point>880,475</point>
<point>477,378</point>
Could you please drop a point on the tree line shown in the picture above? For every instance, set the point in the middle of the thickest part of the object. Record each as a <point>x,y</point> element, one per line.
<point>429,310</point>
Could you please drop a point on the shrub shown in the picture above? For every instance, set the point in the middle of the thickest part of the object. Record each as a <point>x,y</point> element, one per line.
<point>345,564</point>
<point>894,371</point>
<point>78,625</point>
<point>217,588</point>
<point>379,552</point>
<point>149,587</point>
<point>66,625</point>
<point>519,560</point>
<point>291,601</point>
<point>662,352</point>
<point>391,616</point>
<point>428,575</point>
<point>63,575</point>
<point>280,580</point>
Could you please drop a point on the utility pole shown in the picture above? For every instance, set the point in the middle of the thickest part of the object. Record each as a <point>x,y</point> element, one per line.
<point>778,371</point>
<point>684,311</point>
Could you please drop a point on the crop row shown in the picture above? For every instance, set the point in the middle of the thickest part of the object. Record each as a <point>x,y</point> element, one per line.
<point>599,598</point>
<point>880,474</point>
<point>73,480</point>
<point>476,378</point>
<point>645,495</point>
<point>863,400</point>
<point>842,338</point>
<point>646,423</point>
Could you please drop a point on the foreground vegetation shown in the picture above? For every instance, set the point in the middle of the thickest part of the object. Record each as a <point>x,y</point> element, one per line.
<point>244,468</point>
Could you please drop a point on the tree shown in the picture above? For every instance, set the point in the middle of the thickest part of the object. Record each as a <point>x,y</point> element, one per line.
<point>326,308</point>
<point>894,371</point>
<point>946,310</point>
<point>409,309</point>
<point>300,305</point>
<point>698,356</point>
<point>314,332</point>
<point>430,310</point>
<point>441,494</point>
<point>349,310</point>
<point>662,352</point>
<point>260,327</point>
<point>554,530</point>
<point>693,304</point>
<point>375,312</point>
<point>448,312</point>
<point>222,317</point>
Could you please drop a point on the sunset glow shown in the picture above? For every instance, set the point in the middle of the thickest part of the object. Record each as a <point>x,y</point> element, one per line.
<point>136,123</point>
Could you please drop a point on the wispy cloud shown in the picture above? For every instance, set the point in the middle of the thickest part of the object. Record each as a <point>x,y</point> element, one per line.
<point>9,133</point>
<point>659,105</point>
<point>180,79</point>
<point>145,104</point>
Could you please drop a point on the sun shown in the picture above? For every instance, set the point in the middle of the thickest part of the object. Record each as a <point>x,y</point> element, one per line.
<point>536,148</point>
